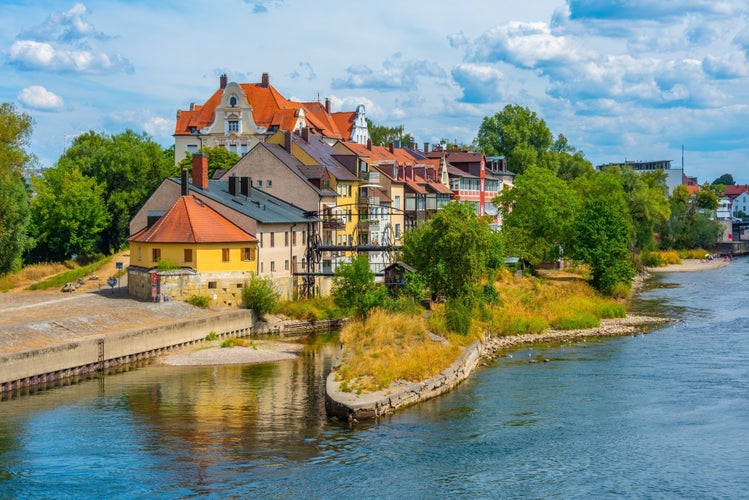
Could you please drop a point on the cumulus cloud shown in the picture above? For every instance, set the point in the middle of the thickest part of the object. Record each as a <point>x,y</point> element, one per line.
<point>303,70</point>
<point>480,83</point>
<point>66,27</point>
<point>38,97</point>
<point>728,66</point>
<point>159,127</point>
<point>62,44</point>
<point>32,55</point>
<point>397,73</point>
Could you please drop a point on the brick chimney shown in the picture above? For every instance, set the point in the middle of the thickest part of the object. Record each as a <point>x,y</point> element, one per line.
<point>369,144</point>
<point>287,141</point>
<point>184,184</point>
<point>265,81</point>
<point>223,81</point>
<point>305,134</point>
<point>391,147</point>
<point>327,105</point>
<point>200,170</point>
<point>426,147</point>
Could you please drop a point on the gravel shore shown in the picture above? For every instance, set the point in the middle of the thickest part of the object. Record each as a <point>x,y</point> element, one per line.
<point>211,353</point>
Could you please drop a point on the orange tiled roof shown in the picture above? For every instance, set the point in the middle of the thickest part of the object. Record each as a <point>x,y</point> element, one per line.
<point>380,154</point>
<point>191,221</point>
<point>344,120</point>
<point>269,109</point>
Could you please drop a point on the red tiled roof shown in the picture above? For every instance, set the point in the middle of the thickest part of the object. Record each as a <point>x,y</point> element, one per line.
<point>191,221</point>
<point>344,120</point>
<point>736,190</point>
<point>269,109</point>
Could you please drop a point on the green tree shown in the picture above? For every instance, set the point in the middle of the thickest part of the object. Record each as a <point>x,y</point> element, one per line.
<point>354,288</point>
<point>261,296</point>
<point>688,227</point>
<point>219,158</point>
<point>707,198</point>
<point>15,131</point>
<point>382,135</point>
<point>536,215</point>
<point>68,215</point>
<point>129,165</point>
<point>601,233</point>
<point>518,134</point>
<point>724,180</point>
<point>450,250</point>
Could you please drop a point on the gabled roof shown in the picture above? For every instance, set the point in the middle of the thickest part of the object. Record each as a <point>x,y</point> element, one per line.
<point>734,191</point>
<point>344,120</point>
<point>190,220</point>
<point>380,154</point>
<point>324,153</point>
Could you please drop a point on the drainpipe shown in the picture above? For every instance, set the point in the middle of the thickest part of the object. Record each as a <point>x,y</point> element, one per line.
<point>291,261</point>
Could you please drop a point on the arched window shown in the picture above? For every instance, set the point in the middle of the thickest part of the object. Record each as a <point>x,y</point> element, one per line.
<point>233,101</point>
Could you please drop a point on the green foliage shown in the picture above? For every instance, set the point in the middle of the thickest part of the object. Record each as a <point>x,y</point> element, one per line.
<point>59,280</point>
<point>516,133</point>
<point>724,180</point>
<point>261,296</point>
<point>707,198</point>
<point>575,321</point>
<point>450,250</point>
<point>68,215</point>
<point>490,294</point>
<point>383,136</point>
<point>15,215</point>
<point>688,226</point>
<point>537,215</point>
<point>211,336</point>
<point>313,309</point>
<point>458,313</point>
<point>235,342</point>
<point>167,265</point>
<point>354,289</point>
<point>219,158</point>
<point>201,301</point>
<point>128,165</point>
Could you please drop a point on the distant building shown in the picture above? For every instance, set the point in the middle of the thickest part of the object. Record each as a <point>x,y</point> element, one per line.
<point>674,176</point>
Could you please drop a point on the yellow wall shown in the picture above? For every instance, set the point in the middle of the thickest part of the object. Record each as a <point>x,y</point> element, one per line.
<point>207,257</point>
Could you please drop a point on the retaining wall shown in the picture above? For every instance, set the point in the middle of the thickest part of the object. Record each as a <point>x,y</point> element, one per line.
<point>349,406</point>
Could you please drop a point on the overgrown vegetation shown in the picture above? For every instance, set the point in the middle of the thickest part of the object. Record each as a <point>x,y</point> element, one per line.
<point>314,309</point>
<point>261,296</point>
<point>237,342</point>
<point>202,301</point>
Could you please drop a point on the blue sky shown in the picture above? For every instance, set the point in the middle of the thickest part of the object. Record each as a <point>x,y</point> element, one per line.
<point>627,79</point>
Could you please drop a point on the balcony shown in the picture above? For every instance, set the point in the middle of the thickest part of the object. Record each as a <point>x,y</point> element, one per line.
<point>370,177</point>
<point>333,224</point>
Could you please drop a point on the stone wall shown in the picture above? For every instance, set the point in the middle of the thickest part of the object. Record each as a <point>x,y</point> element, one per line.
<point>349,406</point>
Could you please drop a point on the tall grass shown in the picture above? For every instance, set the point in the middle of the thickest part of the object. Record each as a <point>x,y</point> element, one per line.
<point>386,348</point>
<point>59,280</point>
<point>314,309</point>
<point>31,273</point>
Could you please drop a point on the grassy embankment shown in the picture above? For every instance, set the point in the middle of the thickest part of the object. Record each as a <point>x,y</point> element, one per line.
<point>51,275</point>
<point>389,347</point>
<point>664,258</point>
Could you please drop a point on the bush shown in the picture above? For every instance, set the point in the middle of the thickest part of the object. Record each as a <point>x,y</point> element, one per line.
<point>458,316</point>
<point>235,342</point>
<point>201,301</point>
<point>261,296</point>
<point>167,265</point>
<point>211,336</point>
<point>575,321</point>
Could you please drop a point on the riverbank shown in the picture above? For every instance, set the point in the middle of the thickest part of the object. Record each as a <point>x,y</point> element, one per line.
<point>690,266</point>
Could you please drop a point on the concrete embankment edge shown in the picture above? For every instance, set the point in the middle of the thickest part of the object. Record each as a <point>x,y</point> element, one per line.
<point>349,406</point>
<point>97,353</point>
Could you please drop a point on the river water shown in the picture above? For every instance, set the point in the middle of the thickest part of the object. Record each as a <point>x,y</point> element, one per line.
<point>662,415</point>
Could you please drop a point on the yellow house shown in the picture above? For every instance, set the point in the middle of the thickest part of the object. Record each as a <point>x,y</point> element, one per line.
<point>191,250</point>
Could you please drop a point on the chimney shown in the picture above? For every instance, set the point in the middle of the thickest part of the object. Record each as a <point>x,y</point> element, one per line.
<point>223,81</point>
<point>392,148</point>
<point>233,185</point>
<point>426,147</point>
<point>305,134</point>
<point>200,170</point>
<point>369,144</point>
<point>327,105</point>
<point>245,186</point>
<point>265,81</point>
<point>183,184</point>
<point>287,141</point>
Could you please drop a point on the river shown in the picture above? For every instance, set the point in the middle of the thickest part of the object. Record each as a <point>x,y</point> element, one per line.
<point>662,415</point>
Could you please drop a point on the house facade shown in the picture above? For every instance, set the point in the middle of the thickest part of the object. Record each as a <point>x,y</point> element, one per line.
<point>238,116</point>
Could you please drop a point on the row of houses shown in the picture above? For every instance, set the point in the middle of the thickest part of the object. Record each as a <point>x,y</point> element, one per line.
<point>310,191</point>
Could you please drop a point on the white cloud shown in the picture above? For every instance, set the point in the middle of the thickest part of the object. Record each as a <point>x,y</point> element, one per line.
<point>480,83</point>
<point>158,127</point>
<point>397,73</point>
<point>37,97</point>
<point>32,55</point>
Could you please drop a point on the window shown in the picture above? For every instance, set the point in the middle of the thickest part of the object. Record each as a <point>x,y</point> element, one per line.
<point>293,238</point>
<point>397,202</point>
<point>248,253</point>
<point>225,254</point>
<point>269,183</point>
<point>260,183</point>
<point>272,239</point>
<point>273,266</point>
<point>233,101</point>
<point>188,255</point>
<point>140,254</point>
<point>397,230</point>
<point>233,125</point>
<point>286,239</point>
<point>192,148</point>
<point>155,254</point>
<point>286,265</point>
<point>260,239</point>
<point>212,285</point>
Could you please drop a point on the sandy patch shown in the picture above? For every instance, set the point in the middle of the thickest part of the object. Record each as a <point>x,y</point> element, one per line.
<point>690,265</point>
<point>260,351</point>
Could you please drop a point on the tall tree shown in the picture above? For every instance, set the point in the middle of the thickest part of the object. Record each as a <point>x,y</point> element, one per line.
<point>536,215</point>
<point>15,131</point>
<point>451,250</point>
<point>68,214</point>
<point>129,166</point>
<point>724,180</point>
<point>354,288</point>
<point>688,226</point>
<point>382,135</point>
<point>516,133</point>
<point>219,158</point>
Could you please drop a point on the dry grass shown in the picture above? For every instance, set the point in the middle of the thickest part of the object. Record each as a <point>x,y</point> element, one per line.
<point>30,275</point>
<point>390,347</point>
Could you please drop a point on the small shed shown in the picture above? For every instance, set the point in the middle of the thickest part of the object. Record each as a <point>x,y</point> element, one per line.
<point>515,264</point>
<point>395,275</point>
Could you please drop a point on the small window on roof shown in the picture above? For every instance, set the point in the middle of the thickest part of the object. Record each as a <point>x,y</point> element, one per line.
<point>233,101</point>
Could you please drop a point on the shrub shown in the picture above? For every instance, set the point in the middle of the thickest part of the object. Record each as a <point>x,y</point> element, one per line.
<point>261,296</point>
<point>575,321</point>
<point>201,301</point>
<point>235,342</point>
<point>458,316</point>
<point>167,265</point>
<point>211,336</point>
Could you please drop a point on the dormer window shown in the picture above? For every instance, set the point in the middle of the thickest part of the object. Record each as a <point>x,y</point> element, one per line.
<point>233,101</point>
<point>233,125</point>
